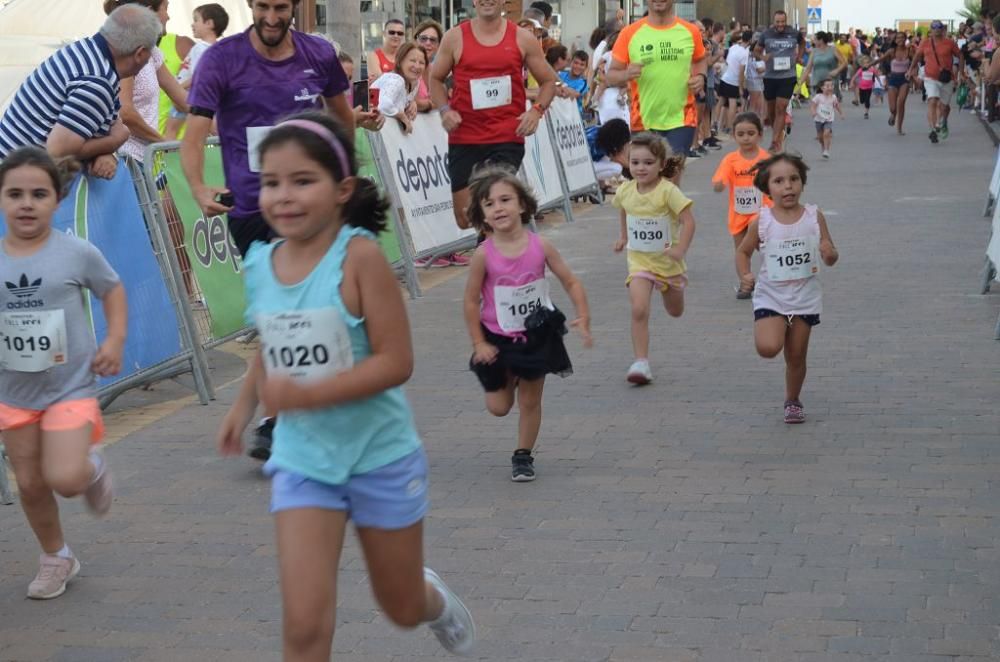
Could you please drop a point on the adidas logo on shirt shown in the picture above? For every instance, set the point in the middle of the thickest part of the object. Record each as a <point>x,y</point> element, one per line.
<point>24,290</point>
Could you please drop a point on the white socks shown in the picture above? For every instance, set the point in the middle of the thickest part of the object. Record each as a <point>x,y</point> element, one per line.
<point>98,462</point>
<point>64,553</point>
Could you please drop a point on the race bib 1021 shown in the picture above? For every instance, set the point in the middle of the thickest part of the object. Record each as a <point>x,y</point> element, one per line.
<point>746,199</point>
<point>32,341</point>
<point>306,345</point>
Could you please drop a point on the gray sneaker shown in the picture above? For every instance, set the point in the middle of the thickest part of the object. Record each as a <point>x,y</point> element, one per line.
<point>454,628</point>
<point>54,572</point>
<point>101,492</point>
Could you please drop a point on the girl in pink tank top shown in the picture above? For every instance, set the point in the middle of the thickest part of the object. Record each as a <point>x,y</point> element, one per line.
<point>516,332</point>
<point>787,301</point>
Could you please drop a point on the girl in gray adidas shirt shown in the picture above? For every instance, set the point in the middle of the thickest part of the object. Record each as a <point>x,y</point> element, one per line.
<point>49,359</point>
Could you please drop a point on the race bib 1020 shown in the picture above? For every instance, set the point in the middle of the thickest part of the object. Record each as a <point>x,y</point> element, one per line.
<point>306,345</point>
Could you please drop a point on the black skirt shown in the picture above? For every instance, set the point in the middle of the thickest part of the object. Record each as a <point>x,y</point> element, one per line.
<point>540,352</point>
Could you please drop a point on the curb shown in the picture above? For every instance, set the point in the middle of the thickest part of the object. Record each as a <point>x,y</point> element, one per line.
<point>989,130</point>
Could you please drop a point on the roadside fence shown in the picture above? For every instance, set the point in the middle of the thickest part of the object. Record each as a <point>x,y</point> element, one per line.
<point>992,261</point>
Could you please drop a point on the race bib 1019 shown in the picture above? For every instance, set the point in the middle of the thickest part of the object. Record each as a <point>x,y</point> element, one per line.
<point>32,341</point>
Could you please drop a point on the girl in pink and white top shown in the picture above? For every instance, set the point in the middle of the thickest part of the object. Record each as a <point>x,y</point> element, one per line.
<point>864,79</point>
<point>516,332</point>
<point>787,299</point>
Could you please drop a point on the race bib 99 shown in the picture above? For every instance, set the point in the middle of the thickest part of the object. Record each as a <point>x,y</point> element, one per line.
<point>490,92</point>
<point>792,259</point>
<point>648,234</point>
<point>306,345</point>
<point>32,341</point>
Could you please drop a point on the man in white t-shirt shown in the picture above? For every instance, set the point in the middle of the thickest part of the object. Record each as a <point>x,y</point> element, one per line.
<point>732,83</point>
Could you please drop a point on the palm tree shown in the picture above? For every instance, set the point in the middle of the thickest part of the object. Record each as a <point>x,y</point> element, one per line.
<point>972,10</point>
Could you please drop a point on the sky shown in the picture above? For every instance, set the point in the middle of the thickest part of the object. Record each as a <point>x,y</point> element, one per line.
<point>883,13</point>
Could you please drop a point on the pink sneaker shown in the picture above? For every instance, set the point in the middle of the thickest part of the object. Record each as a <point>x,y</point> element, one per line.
<point>794,412</point>
<point>54,572</point>
<point>428,263</point>
<point>458,260</point>
<point>100,492</point>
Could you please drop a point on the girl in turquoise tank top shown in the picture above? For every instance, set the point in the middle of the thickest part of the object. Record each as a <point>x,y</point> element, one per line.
<point>335,351</point>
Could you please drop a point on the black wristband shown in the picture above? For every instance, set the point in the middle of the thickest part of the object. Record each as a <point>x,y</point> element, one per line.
<point>201,111</point>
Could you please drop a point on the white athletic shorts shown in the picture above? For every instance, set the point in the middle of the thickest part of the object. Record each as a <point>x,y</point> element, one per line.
<point>939,90</point>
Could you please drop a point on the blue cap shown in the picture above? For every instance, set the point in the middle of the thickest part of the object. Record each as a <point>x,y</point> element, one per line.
<point>937,25</point>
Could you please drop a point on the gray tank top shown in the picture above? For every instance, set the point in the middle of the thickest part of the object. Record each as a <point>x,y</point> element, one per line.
<point>824,62</point>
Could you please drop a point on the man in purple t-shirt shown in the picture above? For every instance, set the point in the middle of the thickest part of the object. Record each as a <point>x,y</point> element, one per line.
<point>248,83</point>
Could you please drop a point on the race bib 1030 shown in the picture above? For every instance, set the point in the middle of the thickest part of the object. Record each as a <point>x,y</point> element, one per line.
<point>648,234</point>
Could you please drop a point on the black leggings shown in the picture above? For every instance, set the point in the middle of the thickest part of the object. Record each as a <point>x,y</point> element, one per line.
<point>866,98</point>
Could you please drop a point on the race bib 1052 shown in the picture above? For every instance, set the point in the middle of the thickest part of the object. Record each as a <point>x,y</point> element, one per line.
<point>792,259</point>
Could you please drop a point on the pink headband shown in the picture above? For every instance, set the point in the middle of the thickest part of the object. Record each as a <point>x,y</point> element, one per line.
<point>327,135</point>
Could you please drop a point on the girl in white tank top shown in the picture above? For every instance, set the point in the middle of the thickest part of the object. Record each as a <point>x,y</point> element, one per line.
<point>793,240</point>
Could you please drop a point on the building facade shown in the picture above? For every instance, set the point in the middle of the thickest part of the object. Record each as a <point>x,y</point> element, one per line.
<point>572,22</point>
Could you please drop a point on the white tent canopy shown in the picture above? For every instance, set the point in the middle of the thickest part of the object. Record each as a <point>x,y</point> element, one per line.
<point>31,30</point>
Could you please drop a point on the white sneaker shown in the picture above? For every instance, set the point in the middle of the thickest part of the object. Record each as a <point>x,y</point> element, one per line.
<point>826,154</point>
<point>454,628</point>
<point>639,374</point>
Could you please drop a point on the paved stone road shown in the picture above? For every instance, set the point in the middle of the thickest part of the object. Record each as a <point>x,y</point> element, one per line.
<point>680,522</point>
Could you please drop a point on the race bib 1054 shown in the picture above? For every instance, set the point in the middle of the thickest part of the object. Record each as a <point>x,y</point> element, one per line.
<point>515,302</point>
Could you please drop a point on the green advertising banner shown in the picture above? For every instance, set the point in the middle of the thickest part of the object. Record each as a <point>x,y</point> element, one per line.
<point>366,168</point>
<point>213,255</point>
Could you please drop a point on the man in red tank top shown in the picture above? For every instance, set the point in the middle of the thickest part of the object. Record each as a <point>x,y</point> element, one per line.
<point>383,60</point>
<point>485,117</point>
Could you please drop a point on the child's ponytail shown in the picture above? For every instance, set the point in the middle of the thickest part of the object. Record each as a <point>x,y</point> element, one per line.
<point>366,208</point>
